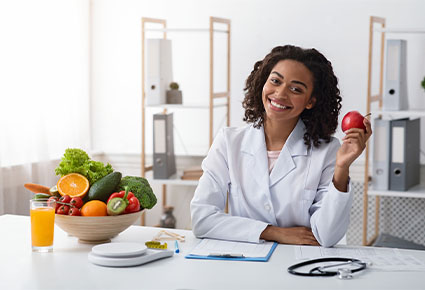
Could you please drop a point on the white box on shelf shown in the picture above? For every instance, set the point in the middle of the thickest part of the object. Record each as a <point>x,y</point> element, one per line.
<point>381,154</point>
<point>159,72</point>
<point>395,86</point>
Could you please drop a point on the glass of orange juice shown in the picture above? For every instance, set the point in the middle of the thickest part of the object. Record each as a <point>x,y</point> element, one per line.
<point>42,214</point>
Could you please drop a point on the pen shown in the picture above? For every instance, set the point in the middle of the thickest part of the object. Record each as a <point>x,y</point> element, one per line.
<point>176,246</point>
<point>226,255</point>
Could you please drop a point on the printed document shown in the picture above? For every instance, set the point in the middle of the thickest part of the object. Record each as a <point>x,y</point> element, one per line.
<point>379,258</point>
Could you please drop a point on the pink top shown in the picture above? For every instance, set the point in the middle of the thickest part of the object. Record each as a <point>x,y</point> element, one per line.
<point>272,156</point>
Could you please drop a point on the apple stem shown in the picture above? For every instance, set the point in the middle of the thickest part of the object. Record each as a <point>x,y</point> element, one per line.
<point>367,115</point>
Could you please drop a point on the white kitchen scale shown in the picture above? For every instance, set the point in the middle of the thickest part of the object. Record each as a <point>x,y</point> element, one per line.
<point>125,254</point>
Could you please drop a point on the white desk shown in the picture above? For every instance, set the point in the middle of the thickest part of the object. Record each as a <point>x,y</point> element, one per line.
<point>67,267</point>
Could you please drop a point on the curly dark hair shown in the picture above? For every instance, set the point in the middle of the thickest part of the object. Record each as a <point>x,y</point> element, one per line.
<point>321,121</point>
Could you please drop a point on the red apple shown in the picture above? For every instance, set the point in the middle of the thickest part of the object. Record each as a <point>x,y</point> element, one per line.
<point>352,119</point>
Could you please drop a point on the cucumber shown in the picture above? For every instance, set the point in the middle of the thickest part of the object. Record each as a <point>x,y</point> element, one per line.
<point>39,196</point>
<point>104,187</point>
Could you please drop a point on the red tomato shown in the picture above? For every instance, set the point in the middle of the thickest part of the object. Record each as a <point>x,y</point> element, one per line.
<point>55,199</point>
<point>65,199</point>
<point>74,211</point>
<point>77,202</point>
<point>63,209</point>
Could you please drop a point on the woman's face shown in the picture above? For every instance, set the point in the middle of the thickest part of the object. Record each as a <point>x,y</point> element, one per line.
<point>287,91</point>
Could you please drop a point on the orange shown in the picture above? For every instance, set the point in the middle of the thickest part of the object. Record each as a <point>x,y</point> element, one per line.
<point>73,184</point>
<point>94,208</point>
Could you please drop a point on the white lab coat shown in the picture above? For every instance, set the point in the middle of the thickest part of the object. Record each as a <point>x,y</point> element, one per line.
<point>298,191</point>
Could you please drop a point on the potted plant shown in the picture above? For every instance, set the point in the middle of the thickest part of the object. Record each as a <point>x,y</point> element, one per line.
<point>174,95</point>
<point>423,83</point>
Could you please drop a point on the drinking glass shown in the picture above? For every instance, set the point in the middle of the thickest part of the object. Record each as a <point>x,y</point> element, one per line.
<point>42,214</point>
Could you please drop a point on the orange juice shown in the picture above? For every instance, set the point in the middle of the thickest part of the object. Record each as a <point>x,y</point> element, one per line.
<point>42,226</point>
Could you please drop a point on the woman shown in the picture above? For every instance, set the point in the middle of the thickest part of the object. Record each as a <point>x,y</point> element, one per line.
<point>286,177</point>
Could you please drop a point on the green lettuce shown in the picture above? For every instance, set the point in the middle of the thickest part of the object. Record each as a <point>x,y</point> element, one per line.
<point>77,161</point>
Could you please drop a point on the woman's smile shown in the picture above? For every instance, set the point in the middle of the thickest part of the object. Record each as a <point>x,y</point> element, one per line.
<point>278,105</point>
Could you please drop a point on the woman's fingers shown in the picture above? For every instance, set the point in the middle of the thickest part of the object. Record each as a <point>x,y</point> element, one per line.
<point>307,237</point>
<point>356,137</point>
<point>353,132</point>
<point>314,243</point>
<point>368,125</point>
<point>309,241</point>
<point>297,236</point>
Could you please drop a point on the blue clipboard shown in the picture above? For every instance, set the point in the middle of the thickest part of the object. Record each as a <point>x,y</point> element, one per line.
<point>252,259</point>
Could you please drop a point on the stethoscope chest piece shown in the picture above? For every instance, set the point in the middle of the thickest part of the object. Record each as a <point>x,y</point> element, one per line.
<point>344,274</point>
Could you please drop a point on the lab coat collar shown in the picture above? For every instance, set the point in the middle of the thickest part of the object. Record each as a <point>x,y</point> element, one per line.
<point>294,146</point>
<point>295,142</point>
<point>255,145</point>
<point>256,141</point>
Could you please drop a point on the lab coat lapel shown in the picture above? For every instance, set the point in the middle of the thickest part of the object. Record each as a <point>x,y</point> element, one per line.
<point>255,148</point>
<point>294,146</point>
<point>284,164</point>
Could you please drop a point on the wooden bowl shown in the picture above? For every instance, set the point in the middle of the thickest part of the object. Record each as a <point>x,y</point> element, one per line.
<point>95,229</point>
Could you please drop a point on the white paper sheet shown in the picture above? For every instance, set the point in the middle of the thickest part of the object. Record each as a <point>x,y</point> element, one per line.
<point>212,247</point>
<point>380,258</point>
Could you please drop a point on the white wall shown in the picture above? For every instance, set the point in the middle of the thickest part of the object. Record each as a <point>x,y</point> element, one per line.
<point>337,28</point>
<point>44,79</point>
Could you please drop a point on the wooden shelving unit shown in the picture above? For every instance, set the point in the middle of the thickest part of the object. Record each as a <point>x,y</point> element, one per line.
<point>378,24</point>
<point>204,104</point>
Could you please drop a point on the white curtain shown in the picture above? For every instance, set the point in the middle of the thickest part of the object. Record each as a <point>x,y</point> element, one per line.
<point>44,92</point>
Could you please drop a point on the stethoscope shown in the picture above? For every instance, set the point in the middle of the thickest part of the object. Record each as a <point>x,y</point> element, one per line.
<point>322,271</point>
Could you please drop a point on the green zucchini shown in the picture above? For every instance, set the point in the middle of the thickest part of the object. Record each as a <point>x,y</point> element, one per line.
<point>104,187</point>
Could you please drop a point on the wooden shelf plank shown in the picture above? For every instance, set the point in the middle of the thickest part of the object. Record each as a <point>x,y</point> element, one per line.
<point>398,114</point>
<point>415,192</point>
<point>185,30</point>
<point>185,106</point>
<point>401,30</point>
<point>173,180</point>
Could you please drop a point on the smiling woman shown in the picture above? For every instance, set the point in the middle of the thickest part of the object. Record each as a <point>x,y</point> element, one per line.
<point>44,104</point>
<point>284,175</point>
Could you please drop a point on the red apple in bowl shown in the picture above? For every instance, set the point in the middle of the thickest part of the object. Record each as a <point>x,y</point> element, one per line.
<point>352,119</point>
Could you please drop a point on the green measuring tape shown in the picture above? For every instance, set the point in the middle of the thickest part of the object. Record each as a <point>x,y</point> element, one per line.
<point>155,245</point>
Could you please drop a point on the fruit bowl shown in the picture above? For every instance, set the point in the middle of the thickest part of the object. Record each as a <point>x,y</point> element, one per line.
<point>95,229</point>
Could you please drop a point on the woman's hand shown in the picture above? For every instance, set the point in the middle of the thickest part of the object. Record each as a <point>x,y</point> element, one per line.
<point>354,142</point>
<point>294,236</point>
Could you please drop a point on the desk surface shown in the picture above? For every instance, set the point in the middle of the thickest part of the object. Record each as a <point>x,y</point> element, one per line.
<point>67,267</point>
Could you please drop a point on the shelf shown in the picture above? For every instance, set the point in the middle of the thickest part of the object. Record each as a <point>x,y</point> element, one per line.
<point>399,114</point>
<point>185,30</point>
<point>400,30</point>
<point>207,99</point>
<point>173,180</point>
<point>415,192</point>
<point>185,106</point>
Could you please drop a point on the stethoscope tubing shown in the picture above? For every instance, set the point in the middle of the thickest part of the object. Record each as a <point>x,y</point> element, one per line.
<point>319,272</point>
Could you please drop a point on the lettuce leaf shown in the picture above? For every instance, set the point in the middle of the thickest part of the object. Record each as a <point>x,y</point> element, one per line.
<point>78,161</point>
